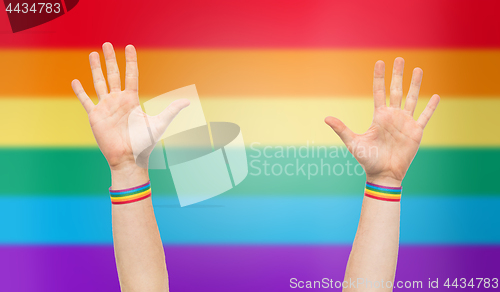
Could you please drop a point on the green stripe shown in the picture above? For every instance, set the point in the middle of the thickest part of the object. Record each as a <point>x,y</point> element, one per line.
<point>62,171</point>
<point>131,192</point>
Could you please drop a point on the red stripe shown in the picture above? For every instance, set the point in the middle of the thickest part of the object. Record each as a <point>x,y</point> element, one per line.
<point>382,199</point>
<point>268,24</point>
<point>131,201</point>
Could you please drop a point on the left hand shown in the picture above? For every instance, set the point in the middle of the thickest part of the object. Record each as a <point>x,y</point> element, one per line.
<point>387,149</point>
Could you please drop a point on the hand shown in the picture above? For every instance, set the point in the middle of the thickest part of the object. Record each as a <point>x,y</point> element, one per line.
<point>117,119</point>
<point>387,149</point>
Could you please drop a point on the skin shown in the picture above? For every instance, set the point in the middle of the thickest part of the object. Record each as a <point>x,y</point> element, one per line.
<point>396,136</point>
<point>138,249</point>
<point>139,254</point>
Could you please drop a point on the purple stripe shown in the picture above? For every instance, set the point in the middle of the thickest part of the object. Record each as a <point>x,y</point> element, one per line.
<point>384,187</point>
<point>129,189</point>
<point>229,268</point>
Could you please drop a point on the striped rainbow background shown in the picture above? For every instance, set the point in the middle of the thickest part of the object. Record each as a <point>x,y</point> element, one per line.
<point>276,68</point>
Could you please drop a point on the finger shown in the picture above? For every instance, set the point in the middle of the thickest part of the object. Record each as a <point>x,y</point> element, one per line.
<point>397,83</point>
<point>428,111</point>
<point>379,84</point>
<point>99,83</point>
<point>412,97</point>
<point>88,105</point>
<point>112,68</point>
<point>341,129</point>
<point>171,111</point>
<point>132,72</point>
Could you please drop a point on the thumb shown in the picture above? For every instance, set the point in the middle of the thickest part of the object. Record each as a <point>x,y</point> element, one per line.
<point>171,111</point>
<point>341,129</point>
<point>161,121</point>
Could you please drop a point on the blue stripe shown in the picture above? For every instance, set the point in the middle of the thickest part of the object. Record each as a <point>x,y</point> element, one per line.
<point>228,219</point>
<point>385,190</point>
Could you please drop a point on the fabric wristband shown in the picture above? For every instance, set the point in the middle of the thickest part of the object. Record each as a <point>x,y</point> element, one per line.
<point>130,195</point>
<point>391,194</point>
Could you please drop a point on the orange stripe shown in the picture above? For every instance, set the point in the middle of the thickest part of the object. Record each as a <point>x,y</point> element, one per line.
<point>131,201</point>
<point>382,195</point>
<point>128,198</point>
<point>256,73</point>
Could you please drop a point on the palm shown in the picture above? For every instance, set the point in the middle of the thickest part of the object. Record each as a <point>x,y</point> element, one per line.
<point>109,123</point>
<point>119,125</point>
<point>396,136</point>
<point>387,149</point>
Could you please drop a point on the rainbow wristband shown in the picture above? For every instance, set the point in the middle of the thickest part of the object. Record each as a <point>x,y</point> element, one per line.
<point>130,195</point>
<point>379,192</point>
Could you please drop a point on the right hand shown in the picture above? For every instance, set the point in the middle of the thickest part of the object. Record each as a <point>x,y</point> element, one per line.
<point>117,119</point>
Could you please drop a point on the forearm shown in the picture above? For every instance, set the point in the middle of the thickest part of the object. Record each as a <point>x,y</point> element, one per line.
<point>375,249</point>
<point>395,136</point>
<point>117,122</point>
<point>140,259</point>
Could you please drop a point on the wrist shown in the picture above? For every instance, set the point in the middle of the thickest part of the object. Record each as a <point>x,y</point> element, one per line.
<point>128,175</point>
<point>383,180</point>
<point>383,192</point>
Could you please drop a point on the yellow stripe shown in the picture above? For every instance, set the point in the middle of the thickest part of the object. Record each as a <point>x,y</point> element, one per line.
<point>382,195</point>
<point>269,121</point>
<point>139,195</point>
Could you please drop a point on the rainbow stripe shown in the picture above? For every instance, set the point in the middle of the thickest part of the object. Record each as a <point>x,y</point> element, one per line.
<point>275,68</point>
<point>130,195</point>
<point>390,194</point>
<point>232,266</point>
